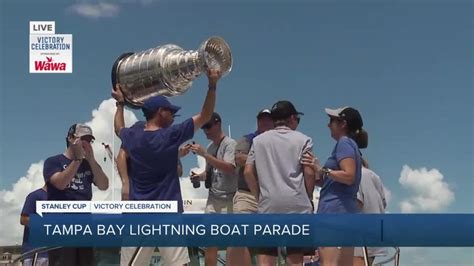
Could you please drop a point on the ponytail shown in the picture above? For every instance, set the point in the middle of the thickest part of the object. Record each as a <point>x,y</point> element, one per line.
<point>360,137</point>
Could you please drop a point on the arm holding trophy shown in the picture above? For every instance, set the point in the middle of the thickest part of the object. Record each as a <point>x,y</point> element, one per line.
<point>210,102</point>
<point>119,124</point>
<point>119,121</point>
<point>122,170</point>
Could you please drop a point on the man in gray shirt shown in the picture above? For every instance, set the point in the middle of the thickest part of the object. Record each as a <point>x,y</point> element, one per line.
<point>275,175</point>
<point>244,200</point>
<point>220,174</point>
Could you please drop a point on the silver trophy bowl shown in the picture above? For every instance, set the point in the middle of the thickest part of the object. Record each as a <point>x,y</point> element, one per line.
<point>168,69</point>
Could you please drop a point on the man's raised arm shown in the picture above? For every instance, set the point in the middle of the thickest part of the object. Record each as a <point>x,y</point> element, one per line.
<point>119,121</point>
<point>210,102</point>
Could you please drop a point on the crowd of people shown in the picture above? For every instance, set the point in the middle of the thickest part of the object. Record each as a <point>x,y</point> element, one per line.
<point>271,170</point>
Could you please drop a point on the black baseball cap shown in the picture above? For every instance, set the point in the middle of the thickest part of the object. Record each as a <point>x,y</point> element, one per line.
<point>214,119</point>
<point>264,112</point>
<point>349,114</point>
<point>283,110</point>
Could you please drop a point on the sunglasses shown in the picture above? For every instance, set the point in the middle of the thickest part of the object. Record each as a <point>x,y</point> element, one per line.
<point>173,113</point>
<point>88,139</point>
<point>207,126</point>
<point>298,118</point>
<point>332,119</point>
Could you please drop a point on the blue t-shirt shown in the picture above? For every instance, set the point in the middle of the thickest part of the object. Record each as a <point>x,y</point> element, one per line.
<point>80,187</point>
<point>153,160</point>
<point>336,197</point>
<point>251,136</point>
<point>30,208</point>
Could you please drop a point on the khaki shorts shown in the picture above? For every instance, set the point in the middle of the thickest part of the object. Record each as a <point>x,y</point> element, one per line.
<point>171,256</point>
<point>219,205</point>
<point>245,202</point>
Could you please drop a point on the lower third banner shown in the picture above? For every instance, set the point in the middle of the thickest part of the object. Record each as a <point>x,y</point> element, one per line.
<point>259,230</point>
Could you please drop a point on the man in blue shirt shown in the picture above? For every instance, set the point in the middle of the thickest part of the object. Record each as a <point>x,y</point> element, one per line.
<point>69,176</point>
<point>30,208</point>
<point>152,154</point>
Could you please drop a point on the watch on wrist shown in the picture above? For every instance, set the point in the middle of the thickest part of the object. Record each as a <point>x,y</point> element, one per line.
<point>326,170</point>
<point>119,103</point>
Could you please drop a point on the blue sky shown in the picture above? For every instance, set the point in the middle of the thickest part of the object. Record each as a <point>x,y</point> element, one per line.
<point>406,65</point>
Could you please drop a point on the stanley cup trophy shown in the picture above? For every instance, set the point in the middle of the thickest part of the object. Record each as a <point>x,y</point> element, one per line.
<point>167,70</point>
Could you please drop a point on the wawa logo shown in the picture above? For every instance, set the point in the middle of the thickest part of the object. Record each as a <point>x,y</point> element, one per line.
<point>49,65</point>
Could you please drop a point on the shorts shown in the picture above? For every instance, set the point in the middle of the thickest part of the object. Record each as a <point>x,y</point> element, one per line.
<point>244,202</point>
<point>215,204</point>
<point>289,250</point>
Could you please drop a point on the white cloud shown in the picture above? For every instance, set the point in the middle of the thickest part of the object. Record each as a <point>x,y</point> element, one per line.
<point>95,10</point>
<point>11,201</point>
<point>103,9</point>
<point>430,193</point>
